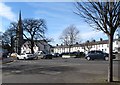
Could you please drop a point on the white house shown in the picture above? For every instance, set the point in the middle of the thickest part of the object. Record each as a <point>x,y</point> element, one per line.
<point>88,46</point>
<point>39,45</point>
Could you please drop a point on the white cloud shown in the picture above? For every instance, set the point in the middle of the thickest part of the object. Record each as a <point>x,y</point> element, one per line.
<point>91,35</point>
<point>6,12</point>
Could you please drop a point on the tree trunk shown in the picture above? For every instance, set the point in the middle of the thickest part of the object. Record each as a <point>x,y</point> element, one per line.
<point>11,44</point>
<point>32,45</point>
<point>110,67</point>
<point>69,49</point>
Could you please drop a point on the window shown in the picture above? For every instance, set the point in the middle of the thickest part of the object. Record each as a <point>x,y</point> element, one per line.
<point>102,45</point>
<point>82,47</point>
<point>116,42</point>
<point>105,49</point>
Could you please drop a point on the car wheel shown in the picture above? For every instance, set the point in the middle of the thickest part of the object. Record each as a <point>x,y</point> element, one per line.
<point>36,58</point>
<point>24,58</point>
<point>106,58</point>
<point>17,58</point>
<point>88,58</point>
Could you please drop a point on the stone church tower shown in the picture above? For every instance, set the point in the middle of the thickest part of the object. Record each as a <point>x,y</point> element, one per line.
<point>19,35</point>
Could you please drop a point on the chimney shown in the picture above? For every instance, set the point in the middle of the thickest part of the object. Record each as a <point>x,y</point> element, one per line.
<point>88,41</point>
<point>93,40</point>
<point>101,39</point>
<point>77,43</point>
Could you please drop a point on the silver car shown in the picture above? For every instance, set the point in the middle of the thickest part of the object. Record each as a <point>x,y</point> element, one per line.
<point>40,54</point>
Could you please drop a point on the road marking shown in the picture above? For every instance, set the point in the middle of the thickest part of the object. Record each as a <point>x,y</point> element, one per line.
<point>18,71</point>
<point>29,61</point>
<point>50,72</point>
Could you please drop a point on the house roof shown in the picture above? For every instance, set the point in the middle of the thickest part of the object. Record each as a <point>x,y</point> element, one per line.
<point>86,43</point>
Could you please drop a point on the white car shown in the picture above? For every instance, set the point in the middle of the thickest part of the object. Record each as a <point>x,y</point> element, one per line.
<point>65,56</point>
<point>40,54</point>
<point>26,56</point>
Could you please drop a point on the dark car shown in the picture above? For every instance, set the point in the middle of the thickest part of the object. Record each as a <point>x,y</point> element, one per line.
<point>79,54</point>
<point>55,55</point>
<point>96,54</point>
<point>47,56</point>
<point>5,55</point>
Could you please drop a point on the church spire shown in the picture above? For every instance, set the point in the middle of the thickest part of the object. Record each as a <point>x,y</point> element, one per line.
<point>20,16</point>
<point>20,20</point>
<point>19,34</point>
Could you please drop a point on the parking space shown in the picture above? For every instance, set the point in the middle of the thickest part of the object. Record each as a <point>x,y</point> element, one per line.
<point>57,70</point>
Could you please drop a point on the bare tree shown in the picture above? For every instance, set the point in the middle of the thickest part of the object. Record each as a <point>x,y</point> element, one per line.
<point>69,36</point>
<point>34,29</point>
<point>103,16</point>
<point>1,36</point>
<point>49,39</point>
<point>8,37</point>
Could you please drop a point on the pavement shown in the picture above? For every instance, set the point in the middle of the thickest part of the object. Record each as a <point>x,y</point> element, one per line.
<point>7,60</point>
<point>118,56</point>
<point>73,70</point>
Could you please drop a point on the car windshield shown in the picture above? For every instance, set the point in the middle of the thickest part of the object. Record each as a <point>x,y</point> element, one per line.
<point>91,52</point>
<point>100,52</point>
<point>27,53</point>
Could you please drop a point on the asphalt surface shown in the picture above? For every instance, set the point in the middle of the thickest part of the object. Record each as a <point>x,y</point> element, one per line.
<point>57,70</point>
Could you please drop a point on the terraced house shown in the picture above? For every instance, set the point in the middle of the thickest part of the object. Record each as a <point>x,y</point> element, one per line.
<point>88,46</point>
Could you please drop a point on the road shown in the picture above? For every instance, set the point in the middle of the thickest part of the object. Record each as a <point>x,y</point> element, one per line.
<point>57,70</point>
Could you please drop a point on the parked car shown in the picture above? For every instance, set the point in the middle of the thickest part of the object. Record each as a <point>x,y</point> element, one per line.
<point>55,55</point>
<point>26,56</point>
<point>47,56</point>
<point>40,54</point>
<point>96,54</point>
<point>5,55</point>
<point>78,54</point>
<point>73,54</point>
<point>69,55</point>
<point>63,54</point>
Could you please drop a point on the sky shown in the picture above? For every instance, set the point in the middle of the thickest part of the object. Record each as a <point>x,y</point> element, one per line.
<point>58,16</point>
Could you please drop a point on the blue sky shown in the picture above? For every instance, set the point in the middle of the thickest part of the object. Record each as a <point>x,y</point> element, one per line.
<point>58,16</point>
